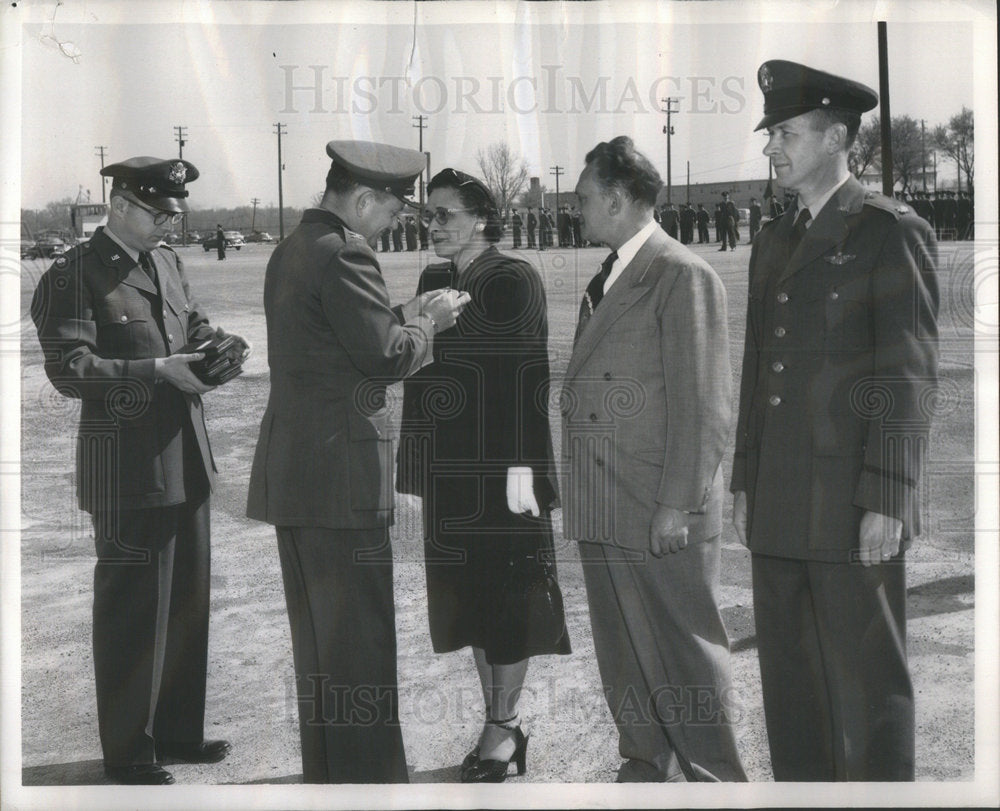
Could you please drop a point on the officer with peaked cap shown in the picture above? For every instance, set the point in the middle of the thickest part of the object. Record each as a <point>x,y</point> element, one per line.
<point>322,472</point>
<point>111,316</point>
<point>839,374</point>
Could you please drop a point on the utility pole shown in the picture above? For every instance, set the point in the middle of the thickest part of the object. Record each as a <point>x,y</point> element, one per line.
<point>557,171</point>
<point>884,116</point>
<point>279,129</point>
<point>253,217</point>
<point>180,136</point>
<point>421,125</point>
<point>923,154</point>
<point>669,130</point>
<point>100,152</point>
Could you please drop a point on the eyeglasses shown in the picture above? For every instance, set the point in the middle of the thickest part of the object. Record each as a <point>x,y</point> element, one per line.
<point>440,215</point>
<point>159,217</point>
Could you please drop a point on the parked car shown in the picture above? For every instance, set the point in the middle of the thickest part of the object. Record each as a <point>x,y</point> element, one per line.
<point>260,236</point>
<point>46,247</point>
<point>234,239</point>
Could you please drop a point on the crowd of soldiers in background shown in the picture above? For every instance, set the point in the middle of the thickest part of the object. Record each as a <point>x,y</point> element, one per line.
<point>949,212</point>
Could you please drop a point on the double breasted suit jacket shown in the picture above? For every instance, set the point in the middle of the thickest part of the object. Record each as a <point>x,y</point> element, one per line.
<point>324,457</point>
<point>839,375</point>
<point>646,401</point>
<point>102,324</point>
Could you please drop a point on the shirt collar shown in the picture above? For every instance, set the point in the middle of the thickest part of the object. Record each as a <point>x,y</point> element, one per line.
<point>818,205</point>
<point>627,252</point>
<point>133,254</point>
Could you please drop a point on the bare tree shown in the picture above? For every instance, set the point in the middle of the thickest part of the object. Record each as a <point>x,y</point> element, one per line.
<point>957,141</point>
<point>867,147</point>
<point>907,152</point>
<point>504,173</point>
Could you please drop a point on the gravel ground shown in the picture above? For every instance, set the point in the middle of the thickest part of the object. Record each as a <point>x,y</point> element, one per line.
<point>573,741</point>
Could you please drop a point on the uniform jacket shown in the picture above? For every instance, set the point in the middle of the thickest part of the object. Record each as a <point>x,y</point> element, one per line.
<point>839,374</point>
<point>324,456</point>
<point>102,324</point>
<point>646,401</point>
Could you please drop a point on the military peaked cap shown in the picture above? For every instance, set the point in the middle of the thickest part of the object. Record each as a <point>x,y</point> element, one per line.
<point>384,166</point>
<point>155,181</point>
<point>791,89</point>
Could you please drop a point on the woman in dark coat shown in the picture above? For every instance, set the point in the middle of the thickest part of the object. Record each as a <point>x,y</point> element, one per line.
<point>475,444</point>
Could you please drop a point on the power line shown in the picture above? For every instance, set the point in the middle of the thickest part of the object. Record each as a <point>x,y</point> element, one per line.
<point>669,130</point>
<point>421,125</point>
<point>557,171</point>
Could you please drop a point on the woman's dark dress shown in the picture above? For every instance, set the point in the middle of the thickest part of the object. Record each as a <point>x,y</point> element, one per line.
<point>481,407</point>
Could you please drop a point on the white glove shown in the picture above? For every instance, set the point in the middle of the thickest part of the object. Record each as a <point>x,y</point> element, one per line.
<point>521,491</point>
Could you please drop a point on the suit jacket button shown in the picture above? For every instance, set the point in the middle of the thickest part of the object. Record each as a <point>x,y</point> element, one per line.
<point>774,400</point>
<point>779,331</point>
<point>593,418</point>
<point>599,462</point>
<point>607,375</point>
<point>782,297</point>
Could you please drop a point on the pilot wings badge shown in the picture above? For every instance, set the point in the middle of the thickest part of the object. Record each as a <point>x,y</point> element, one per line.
<point>840,258</point>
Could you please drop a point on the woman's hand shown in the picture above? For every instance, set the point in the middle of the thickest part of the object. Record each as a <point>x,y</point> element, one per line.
<point>521,491</point>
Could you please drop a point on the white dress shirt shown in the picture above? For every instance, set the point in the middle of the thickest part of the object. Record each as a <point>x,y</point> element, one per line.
<point>627,252</point>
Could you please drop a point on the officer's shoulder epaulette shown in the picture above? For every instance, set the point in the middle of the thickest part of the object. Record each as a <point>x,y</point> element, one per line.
<point>770,222</point>
<point>168,248</point>
<point>888,204</point>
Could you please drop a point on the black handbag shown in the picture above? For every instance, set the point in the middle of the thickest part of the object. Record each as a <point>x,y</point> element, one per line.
<point>223,358</point>
<point>531,603</point>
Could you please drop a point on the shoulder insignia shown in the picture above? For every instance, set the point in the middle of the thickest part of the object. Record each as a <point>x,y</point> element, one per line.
<point>886,204</point>
<point>353,236</point>
<point>903,209</point>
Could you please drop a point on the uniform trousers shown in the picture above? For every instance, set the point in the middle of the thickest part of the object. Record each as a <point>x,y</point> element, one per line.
<point>838,701</point>
<point>663,655</point>
<point>338,588</point>
<point>150,628</point>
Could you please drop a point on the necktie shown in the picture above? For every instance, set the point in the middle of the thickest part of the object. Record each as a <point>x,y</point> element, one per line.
<point>595,290</point>
<point>799,230</point>
<point>146,263</point>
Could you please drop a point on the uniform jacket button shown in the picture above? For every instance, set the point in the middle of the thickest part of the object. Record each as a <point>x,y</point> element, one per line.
<point>780,332</point>
<point>778,366</point>
<point>774,400</point>
<point>124,318</point>
<point>170,338</point>
<point>834,295</point>
<point>782,297</point>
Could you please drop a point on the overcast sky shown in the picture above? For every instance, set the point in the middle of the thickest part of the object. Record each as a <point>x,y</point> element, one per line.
<point>550,79</point>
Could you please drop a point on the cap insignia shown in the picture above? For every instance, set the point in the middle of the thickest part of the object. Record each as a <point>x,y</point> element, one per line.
<point>178,172</point>
<point>765,79</point>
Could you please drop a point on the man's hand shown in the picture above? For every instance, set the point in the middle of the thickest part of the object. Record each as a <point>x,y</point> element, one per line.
<point>249,347</point>
<point>174,370</point>
<point>668,531</point>
<point>740,515</point>
<point>415,306</point>
<point>445,307</point>
<point>521,491</point>
<point>879,538</point>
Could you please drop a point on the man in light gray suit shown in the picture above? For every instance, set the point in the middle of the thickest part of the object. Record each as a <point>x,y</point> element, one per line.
<point>646,410</point>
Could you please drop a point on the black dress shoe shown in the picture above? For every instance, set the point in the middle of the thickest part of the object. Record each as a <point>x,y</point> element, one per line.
<point>141,774</point>
<point>203,752</point>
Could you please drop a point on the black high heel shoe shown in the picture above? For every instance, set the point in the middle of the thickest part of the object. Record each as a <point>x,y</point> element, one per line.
<point>495,771</point>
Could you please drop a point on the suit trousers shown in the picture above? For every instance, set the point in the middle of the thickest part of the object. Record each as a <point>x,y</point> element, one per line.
<point>838,701</point>
<point>338,588</point>
<point>663,656</point>
<point>150,628</point>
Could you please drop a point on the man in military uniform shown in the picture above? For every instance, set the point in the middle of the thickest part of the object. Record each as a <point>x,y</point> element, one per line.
<point>322,471</point>
<point>730,218</point>
<point>220,242</point>
<point>532,224</point>
<point>703,220</point>
<point>687,224</point>
<point>669,217</point>
<point>755,217</point>
<point>111,316</point>
<point>839,367</point>
<point>516,224</point>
